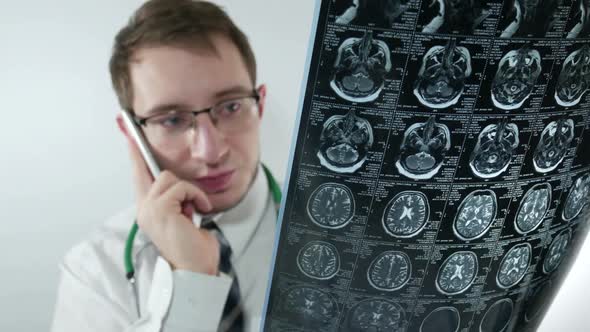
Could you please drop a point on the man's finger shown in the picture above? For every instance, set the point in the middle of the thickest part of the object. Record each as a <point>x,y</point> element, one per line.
<point>188,209</point>
<point>184,191</point>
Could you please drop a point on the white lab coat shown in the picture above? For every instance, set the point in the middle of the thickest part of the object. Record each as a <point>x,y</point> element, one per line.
<point>94,294</point>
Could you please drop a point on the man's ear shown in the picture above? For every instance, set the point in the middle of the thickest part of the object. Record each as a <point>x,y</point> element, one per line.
<point>262,101</point>
<point>122,127</point>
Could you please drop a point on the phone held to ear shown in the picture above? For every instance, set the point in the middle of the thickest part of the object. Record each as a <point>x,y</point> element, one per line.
<point>137,135</point>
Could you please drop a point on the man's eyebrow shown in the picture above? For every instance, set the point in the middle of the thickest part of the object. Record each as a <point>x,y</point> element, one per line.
<point>234,90</point>
<point>165,108</point>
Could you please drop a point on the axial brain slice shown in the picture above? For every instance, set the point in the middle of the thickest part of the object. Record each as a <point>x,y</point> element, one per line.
<point>441,78</point>
<point>533,208</point>
<point>331,205</point>
<point>498,316</point>
<point>360,68</point>
<point>423,149</point>
<point>309,306</point>
<point>531,18</point>
<point>557,250</point>
<point>578,197</point>
<point>475,214</point>
<point>457,273</point>
<point>445,319</point>
<point>514,265</point>
<point>389,271</point>
<point>515,79</point>
<point>319,260</point>
<point>345,142</point>
<point>406,214</point>
<point>494,149</point>
<point>376,315</point>
<point>574,78</point>
<point>456,16</point>
<point>553,144</point>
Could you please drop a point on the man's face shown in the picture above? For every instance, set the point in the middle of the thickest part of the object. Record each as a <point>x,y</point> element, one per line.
<point>221,164</point>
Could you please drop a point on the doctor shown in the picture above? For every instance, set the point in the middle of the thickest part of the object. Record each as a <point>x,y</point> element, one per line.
<point>188,75</point>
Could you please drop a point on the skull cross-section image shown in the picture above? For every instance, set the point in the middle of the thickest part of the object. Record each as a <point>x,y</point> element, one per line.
<point>360,68</point>
<point>442,75</point>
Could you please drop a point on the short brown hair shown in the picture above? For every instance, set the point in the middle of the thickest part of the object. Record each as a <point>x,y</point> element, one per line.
<point>183,23</point>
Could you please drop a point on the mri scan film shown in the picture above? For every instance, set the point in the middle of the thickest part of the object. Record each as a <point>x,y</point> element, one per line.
<point>439,172</point>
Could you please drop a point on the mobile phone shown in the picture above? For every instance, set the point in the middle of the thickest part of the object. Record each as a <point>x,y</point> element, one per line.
<point>147,155</point>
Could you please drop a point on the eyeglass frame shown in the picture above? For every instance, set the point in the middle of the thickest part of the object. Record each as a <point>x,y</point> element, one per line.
<point>141,121</point>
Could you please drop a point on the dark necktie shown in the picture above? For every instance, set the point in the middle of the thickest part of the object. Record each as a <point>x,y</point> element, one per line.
<point>233,317</point>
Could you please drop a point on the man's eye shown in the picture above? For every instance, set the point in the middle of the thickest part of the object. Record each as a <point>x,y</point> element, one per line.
<point>230,108</point>
<point>173,121</point>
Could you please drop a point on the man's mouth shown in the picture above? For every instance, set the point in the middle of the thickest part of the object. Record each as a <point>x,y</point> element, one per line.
<point>216,182</point>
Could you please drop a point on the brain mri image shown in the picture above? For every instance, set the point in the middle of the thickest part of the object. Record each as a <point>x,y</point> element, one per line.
<point>577,198</point>
<point>515,78</point>
<point>457,273</point>
<point>319,260</point>
<point>553,145</point>
<point>498,316</point>
<point>331,205</point>
<point>494,149</point>
<point>581,29</point>
<point>309,307</point>
<point>574,79</point>
<point>556,251</point>
<point>360,68</point>
<point>406,214</point>
<point>533,208</point>
<point>390,271</point>
<point>441,78</point>
<point>514,265</point>
<point>531,18</point>
<point>443,319</point>
<point>376,315</point>
<point>423,149</point>
<point>382,13</point>
<point>455,16</point>
<point>475,215</point>
<point>344,143</point>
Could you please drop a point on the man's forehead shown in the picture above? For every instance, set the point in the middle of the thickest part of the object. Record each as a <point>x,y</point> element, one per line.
<point>173,75</point>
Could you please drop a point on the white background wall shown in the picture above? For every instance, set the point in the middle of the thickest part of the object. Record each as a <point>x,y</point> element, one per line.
<point>64,165</point>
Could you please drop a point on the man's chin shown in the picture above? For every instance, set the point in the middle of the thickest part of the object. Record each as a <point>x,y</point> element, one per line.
<point>231,196</point>
<point>225,200</point>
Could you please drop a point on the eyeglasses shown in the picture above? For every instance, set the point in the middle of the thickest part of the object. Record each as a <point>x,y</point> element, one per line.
<point>229,116</point>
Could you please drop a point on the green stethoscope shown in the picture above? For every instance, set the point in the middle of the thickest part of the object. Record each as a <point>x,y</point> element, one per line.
<point>275,191</point>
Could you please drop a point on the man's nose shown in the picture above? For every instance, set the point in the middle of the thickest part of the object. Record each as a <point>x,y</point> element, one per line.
<point>207,142</point>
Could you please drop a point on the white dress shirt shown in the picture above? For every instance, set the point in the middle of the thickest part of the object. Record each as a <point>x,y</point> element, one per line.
<point>94,294</point>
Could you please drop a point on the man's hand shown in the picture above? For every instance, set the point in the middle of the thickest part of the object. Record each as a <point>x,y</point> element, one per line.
<point>164,212</point>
